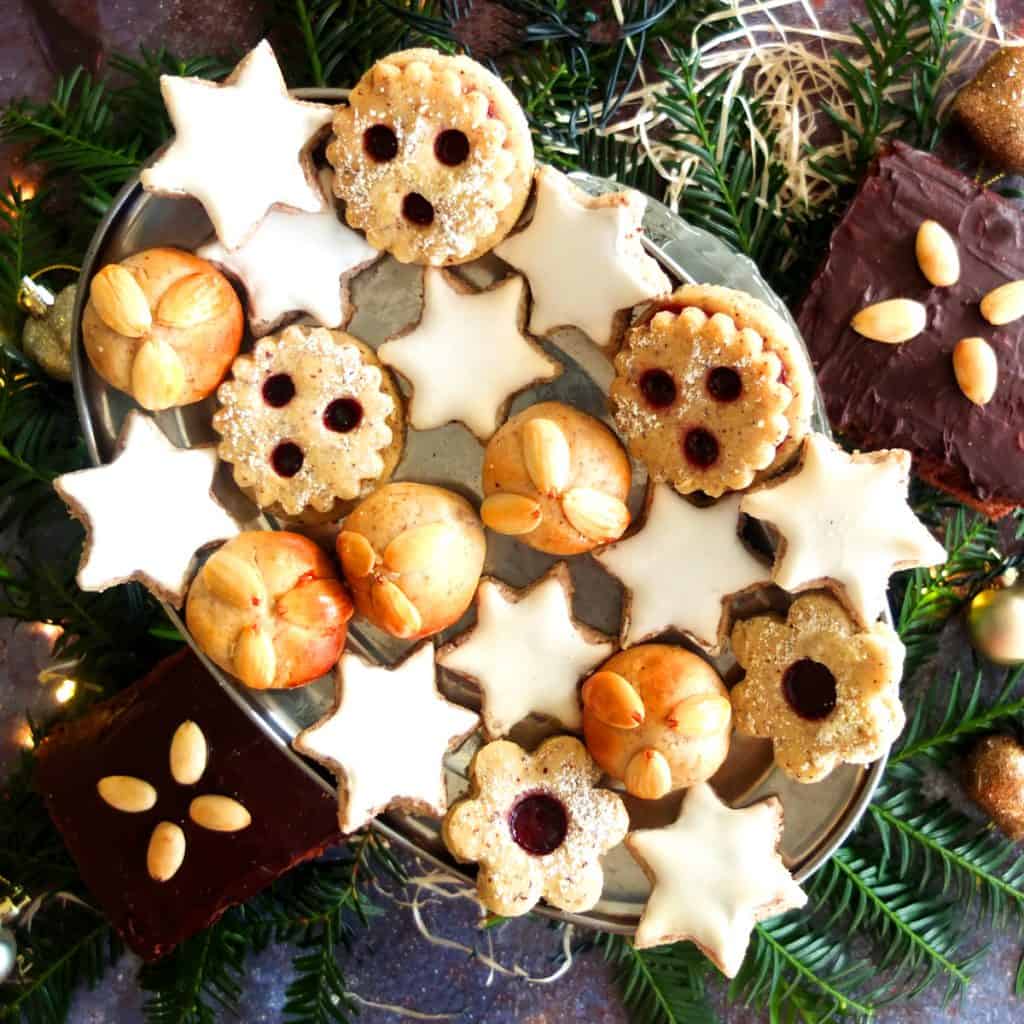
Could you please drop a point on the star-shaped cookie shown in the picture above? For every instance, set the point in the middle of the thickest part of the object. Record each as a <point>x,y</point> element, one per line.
<point>468,355</point>
<point>715,873</point>
<point>296,263</point>
<point>680,568</point>
<point>583,258</point>
<point>386,737</point>
<point>527,653</point>
<point>240,147</point>
<point>845,523</point>
<point>147,512</point>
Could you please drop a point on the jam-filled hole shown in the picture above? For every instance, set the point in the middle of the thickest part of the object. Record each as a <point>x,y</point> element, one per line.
<point>538,823</point>
<point>380,143</point>
<point>700,447</point>
<point>658,388</point>
<point>343,415</point>
<point>287,459</point>
<point>278,390</point>
<point>417,210</point>
<point>810,689</point>
<point>724,384</point>
<point>451,147</point>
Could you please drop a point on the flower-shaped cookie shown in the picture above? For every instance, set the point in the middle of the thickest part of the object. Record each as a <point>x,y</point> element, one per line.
<point>536,825</point>
<point>825,692</point>
<point>699,401</point>
<point>432,156</point>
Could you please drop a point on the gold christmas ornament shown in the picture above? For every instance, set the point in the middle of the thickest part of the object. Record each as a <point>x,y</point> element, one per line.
<point>996,624</point>
<point>994,779</point>
<point>991,108</point>
<point>46,336</point>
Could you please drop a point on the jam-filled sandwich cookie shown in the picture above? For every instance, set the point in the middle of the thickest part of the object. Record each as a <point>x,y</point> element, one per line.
<point>658,718</point>
<point>412,555</point>
<point>309,419</point>
<point>557,480</point>
<point>698,400</point>
<point>162,326</point>
<point>269,608</point>
<point>432,156</point>
<point>824,691</point>
<point>536,825</point>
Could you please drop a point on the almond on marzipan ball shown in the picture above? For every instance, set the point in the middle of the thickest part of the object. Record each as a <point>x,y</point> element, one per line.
<point>268,607</point>
<point>412,555</point>
<point>163,326</point>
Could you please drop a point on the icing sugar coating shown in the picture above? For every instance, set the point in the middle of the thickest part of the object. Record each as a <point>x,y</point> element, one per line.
<point>147,512</point>
<point>845,523</point>
<point>387,736</point>
<point>527,653</point>
<point>583,258</point>
<point>716,872</point>
<point>680,568</point>
<point>468,354</point>
<point>240,147</point>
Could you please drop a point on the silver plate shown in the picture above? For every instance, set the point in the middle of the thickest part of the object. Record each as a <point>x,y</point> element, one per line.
<point>817,817</point>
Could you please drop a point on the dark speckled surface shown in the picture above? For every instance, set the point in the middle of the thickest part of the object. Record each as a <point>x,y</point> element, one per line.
<point>392,963</point>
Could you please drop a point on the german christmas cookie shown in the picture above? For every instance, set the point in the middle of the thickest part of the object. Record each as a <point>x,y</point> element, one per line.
<point>268,608</point>
<point>536,825</point>
<point>309,419</point>
<point>844,522</point>
<point>527,653</point>
<point>468,355</point>
<point>412,554</point>
<point>584,259</point>
<point>824,691</point>
<point>680,569</point>
<point>162,326</point>
<point>146,513</point>
<point>699,400</point>
<point>715,873</point>
<point>432,156</point>
<point>240,147</point>
<point>386,738</point>
<point>658,718</point>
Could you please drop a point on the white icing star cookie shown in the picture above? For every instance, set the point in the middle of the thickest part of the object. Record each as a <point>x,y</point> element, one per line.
<point>240,147</point>
<point>147,512</point>
<point>680,568</point>
<point>716,872</point>
<point>527,653</point>
<point>845,523</point>
<point>296,263</point>
<point>387,736</point>
<point>583,258</point>
<point>468,355</point>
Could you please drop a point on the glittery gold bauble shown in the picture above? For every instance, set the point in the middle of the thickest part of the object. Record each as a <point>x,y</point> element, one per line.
<point>991,108</point>
<point>996,624</point>
<point>994,780</point>
<point>47,337</point>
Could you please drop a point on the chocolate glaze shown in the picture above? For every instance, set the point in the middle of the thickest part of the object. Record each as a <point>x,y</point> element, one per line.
<point>906,395</point>
<point>293,818</point>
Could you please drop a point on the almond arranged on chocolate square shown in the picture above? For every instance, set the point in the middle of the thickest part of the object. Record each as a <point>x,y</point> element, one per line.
<point>913,394</point>
<point>176,805</point>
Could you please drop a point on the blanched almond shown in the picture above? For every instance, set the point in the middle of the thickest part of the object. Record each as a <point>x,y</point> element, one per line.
<point>165,852</point>
<point>394,611</point>
<point>158,376</point>
<point>219,813</point>
<point>1004,304</point>
<point>126,793</point>
<point>648,774</point>
<point>119,301</point>
<point>596,515</point>
<point>976,369</point>
<point>420,547</point>
<point>356,553</point>
<point>194,300</point>
<point>703,714</point>
<point>188,754</point>
<point>316,604</point>
<point>511,514</point>
<point>255,658</point>
<point>892,322</point>
<point>234,581</point>
<point>546,456</point>
<point>612,699</point>
<point>937,254</point>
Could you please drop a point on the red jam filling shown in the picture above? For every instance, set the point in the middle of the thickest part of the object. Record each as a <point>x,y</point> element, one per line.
<point>343,415</point>
<point>538,823</point>
<point>278,390</point>
<point>700,447</point>
<point>724,384</point>
<point>451,147</point>
<point>417,210</point>
<point>810,689</point>
<point>287,459</point>
<point>658,388</point>
<point>380,143</point>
